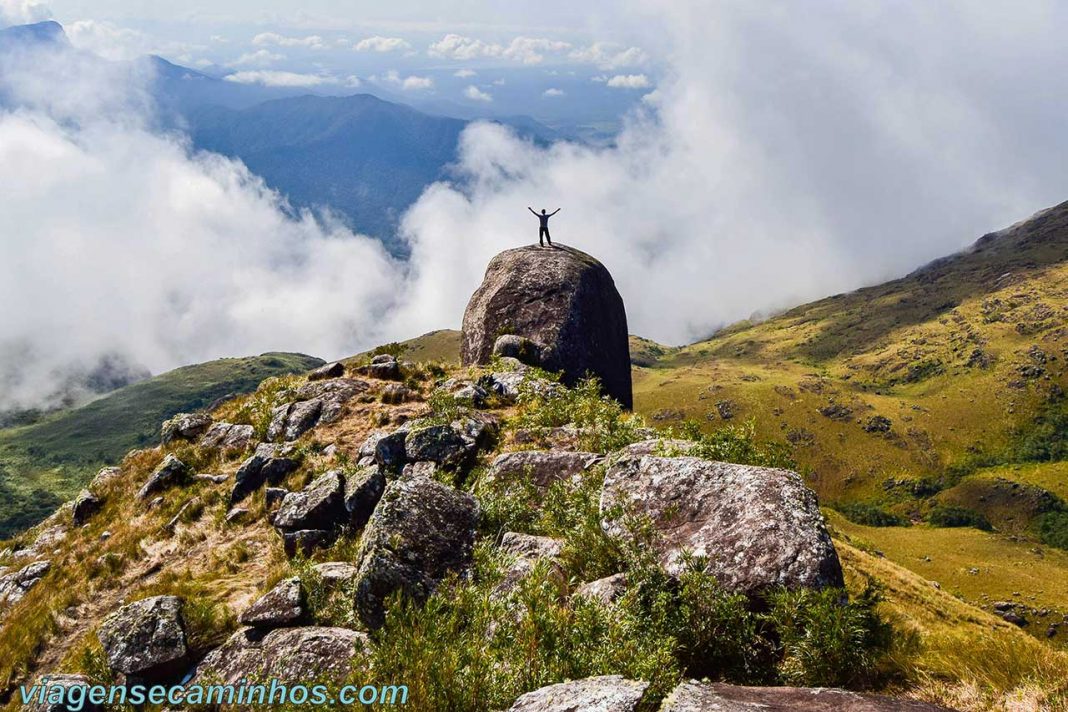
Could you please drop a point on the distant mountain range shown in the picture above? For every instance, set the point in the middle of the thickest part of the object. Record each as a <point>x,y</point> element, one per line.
<point>365,159</point>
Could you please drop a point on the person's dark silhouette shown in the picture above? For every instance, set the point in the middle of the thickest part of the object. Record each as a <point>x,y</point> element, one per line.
<point>543,231</point>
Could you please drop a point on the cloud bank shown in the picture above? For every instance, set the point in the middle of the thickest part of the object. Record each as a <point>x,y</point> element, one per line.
<point>784,156</point>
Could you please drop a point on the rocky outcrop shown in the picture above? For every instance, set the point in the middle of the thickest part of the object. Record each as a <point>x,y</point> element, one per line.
<point>330,370</point>
<point>363,490</point>
<point>185,426</point>
<point>696,696</point>
<point>14,586</point>
<point>281,606</point>
<point>384,367</point>
<point>288,655</point>
<point>169,473</point>
<point>420,531</point>
<point>85,505</point>
<point>754,527</point>
<point>608,693</point>
<point>146,639</point>
<point>320,505</point>
<point>227,436</point>
<point>607,590</point>
<point>316,402</point>
<point>541,467</point>
<point>562,300</point>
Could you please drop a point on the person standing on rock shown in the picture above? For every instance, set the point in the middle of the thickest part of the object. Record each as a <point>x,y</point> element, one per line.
<point>543,231</point>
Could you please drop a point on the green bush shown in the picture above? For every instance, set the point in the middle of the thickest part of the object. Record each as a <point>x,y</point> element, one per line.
<point>602,423</point>
<point>950,516</point>
<point>735,443</point>
<point>1053,529</point>
<point>870,515</point>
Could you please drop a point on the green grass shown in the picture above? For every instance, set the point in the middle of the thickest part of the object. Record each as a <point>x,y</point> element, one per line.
<point>47,462</point>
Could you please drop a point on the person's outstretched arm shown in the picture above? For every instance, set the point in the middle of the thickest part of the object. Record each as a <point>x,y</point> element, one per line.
<point>555,211</point>
<point>531,210</point>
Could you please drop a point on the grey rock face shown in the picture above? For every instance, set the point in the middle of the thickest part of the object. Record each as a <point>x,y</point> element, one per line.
<point>185,426</point>
<point>756,527</point>
<point>335,574</point>
<point>86,504</point>
<point>320,505</point>
<point>306,541</point>
<point>384,367</point>
<point>281,606</point>
<point>15,585</point>
<point>395,393</point>
<point>441,444</point>
<point>289,655</point>
<point>608,693</point>
<point>696,696</point>
<point>390,451</point>
<point>542,467</point>
<point>169,473</point>
<point>606,590</point>
<point>316,402</point>
<point>273,496</point>
<point>146,639</point>
<point>518,347</point>
<point>68,682</point>
<point>363,489</point>
<point>104,477</point>
<point>420,531</point>
<point>330,370</point>
<point>577,316</point>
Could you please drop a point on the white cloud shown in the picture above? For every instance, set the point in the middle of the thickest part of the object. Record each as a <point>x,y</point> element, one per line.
<point>465,73</point>
<point>474,93</point>
<point>108,40</point>
<point>273,38</point>
<point>23,12</point>
<point>608,55</point>
<point>274,78</point>
<point>527,50</point>
<point>552,92</point>
<point>381,44</point>
<point>259,58</point>
<point>409,83</point>
<point>629,81</point>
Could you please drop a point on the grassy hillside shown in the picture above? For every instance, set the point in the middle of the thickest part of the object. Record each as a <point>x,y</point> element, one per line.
<point>45,463</point>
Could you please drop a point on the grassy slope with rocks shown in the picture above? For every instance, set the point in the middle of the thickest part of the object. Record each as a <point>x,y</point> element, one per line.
<point>49,461</point>
<point>941,648</point>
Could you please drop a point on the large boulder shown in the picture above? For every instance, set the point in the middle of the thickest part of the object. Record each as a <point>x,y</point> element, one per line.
<point>185,426</point>
<point>146,639</point>
<point>696,696</point>
<point>564,301</point>
<point>15,585</point>
<point>227,436</point>
<point>266,464</point>
<point>320,505</point>
<point>287,655</point>
<point>755,527</point>
<point>420,531</point>
<point>169,472</point>
<point>363,489</point>
<point>608,693</point>
<point>317,402</point>
<point>281,606</point>
<point>86,504</point>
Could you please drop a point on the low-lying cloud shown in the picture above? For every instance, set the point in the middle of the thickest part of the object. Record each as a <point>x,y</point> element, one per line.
<point>785,155</point>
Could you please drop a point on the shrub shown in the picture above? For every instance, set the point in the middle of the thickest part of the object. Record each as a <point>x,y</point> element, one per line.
<point>1053,529</point>
<point>602,423</point>
<point>735,443</point>
<point>871,515</point>
<point>950,516</point>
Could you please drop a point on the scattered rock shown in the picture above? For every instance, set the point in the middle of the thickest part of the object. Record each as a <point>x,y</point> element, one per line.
<point>440,444</point>
<point>363,490</point>
<point>320,505</point>
<point>608,693</point>
<point>1014,618</point>
<point>286,655</point>
<point>316,402</point>
<point>390,450</point>
<point>236,515</point>
<point>281,606</point>
<point>606,590</point>
<point>213,479</point>
<point>170,472</point>
<point>330,370</point>
<point>395,394</point>
<point>726,409</point>
<point>86,504</point>
<point>104,477</point>
<point>520,348</point>
<point>384,367</point>
<point>755,527</point>
<point>265,465</point>
<point>466,391</point>
<point>185,426</point>
<point>14,586</point>
<point>146,639</point>
<point>420,531</point>
<point>336,574</point>
<point>878,424</point>
<point>228,437</point>
<point>836,411</point>
<point>696,696</point>
<point>578,318</point>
